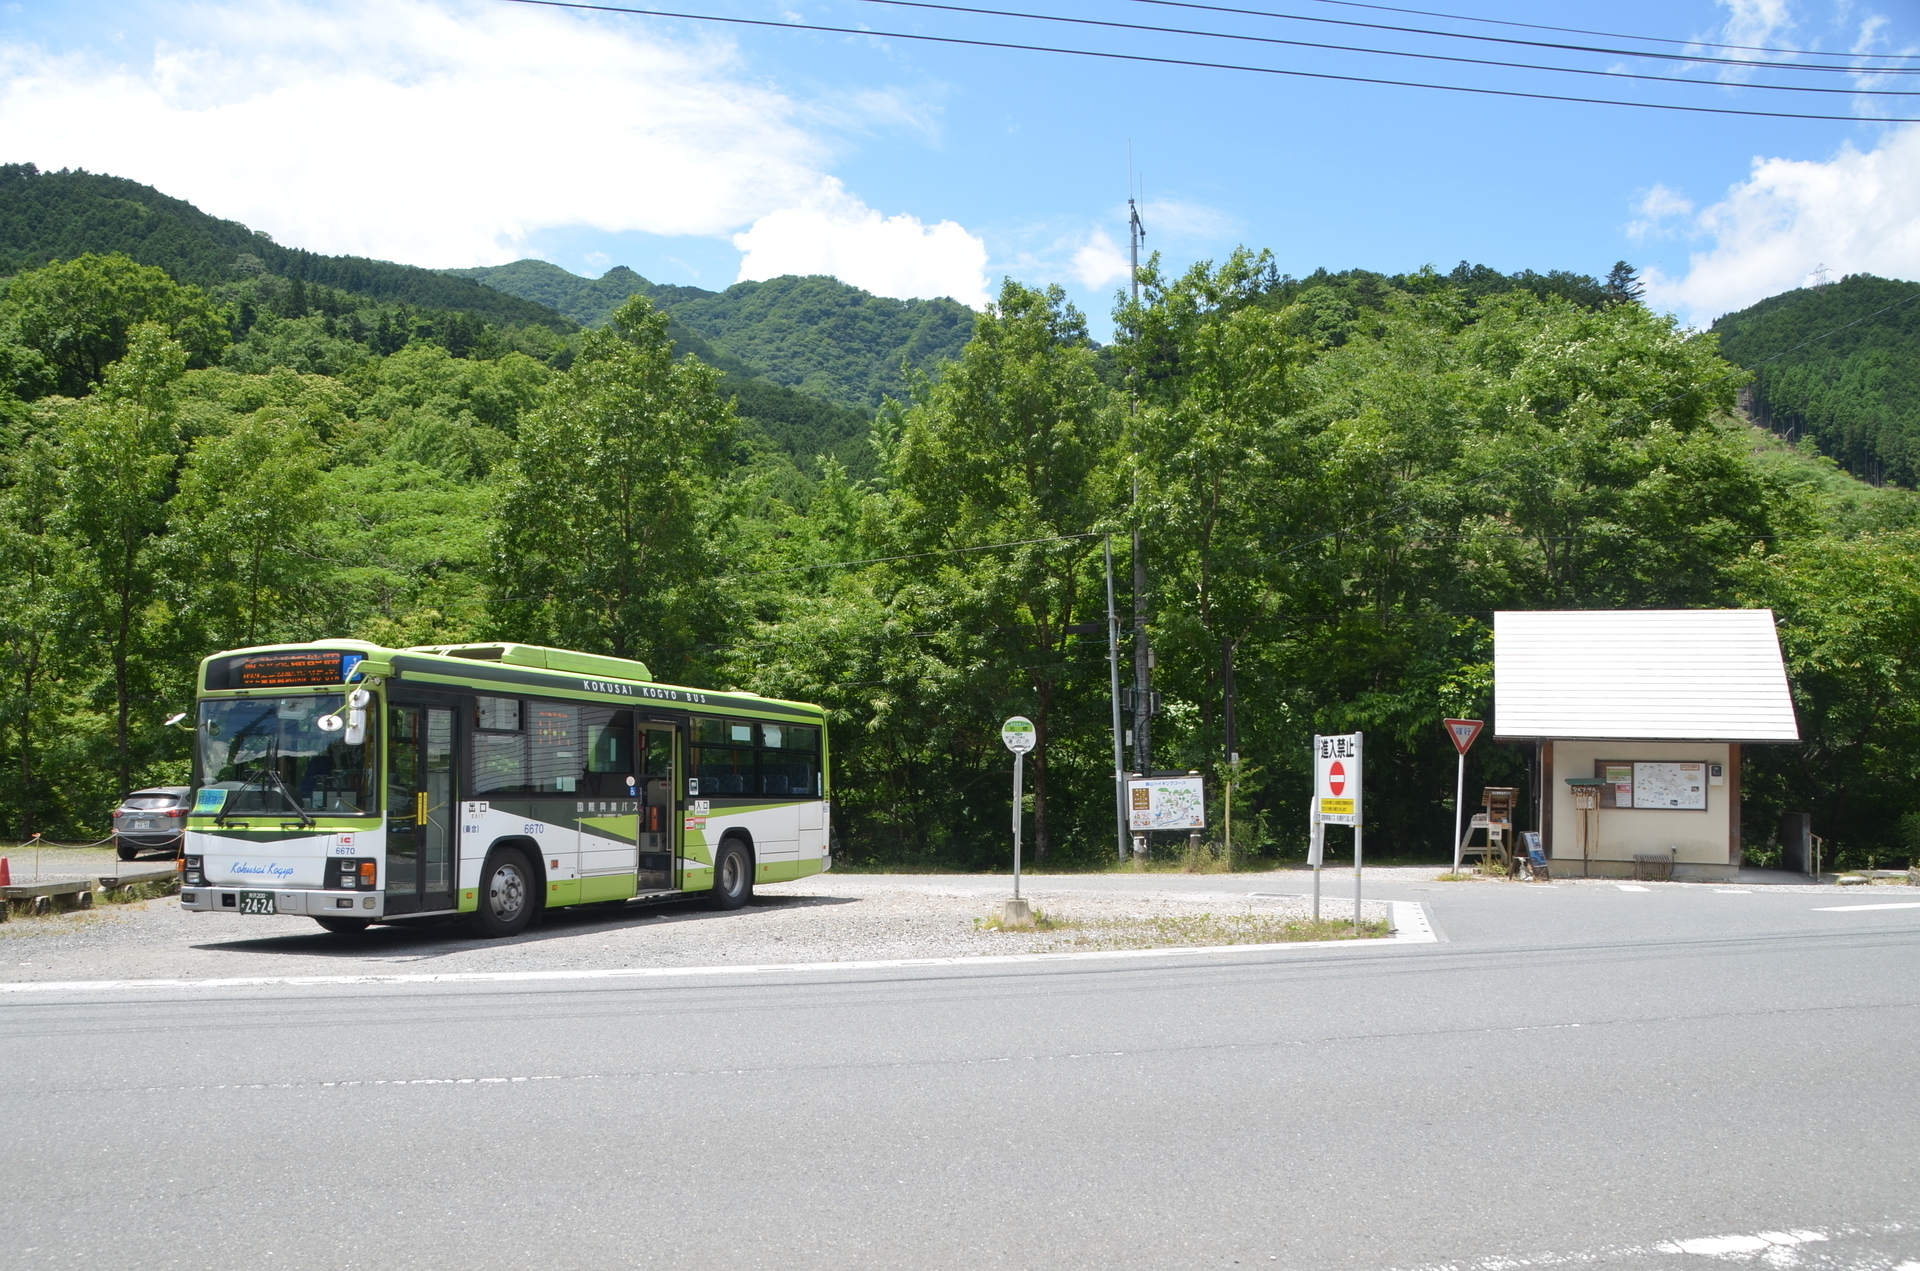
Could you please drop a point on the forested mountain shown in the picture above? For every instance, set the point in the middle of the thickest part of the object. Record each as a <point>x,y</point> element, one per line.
<point>588,301</point>
<point>48,216</point>
<point>1840,366</point>
<point>816,334</point>
<point>332,315</point>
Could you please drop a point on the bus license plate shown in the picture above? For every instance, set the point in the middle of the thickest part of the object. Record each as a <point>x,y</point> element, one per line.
<point>256,902</point>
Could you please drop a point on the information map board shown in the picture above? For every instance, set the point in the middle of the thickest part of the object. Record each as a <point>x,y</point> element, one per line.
<point>1655,784</point>
<point>1166,803</point>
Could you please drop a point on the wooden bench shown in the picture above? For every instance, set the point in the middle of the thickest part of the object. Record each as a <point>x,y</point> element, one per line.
<point>40,893</point>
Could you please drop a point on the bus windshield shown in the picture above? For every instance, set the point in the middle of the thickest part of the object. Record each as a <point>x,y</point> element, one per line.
<point>271,756</point>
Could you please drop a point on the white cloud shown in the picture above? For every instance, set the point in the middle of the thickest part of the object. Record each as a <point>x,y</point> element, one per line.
<point>833,232</point>
<point>1183,219</point>
<point>1100,261</point>
<point>445,132</point>
<point>1858,212</point>
<point>1659,207</point>
<point>1755,22</point>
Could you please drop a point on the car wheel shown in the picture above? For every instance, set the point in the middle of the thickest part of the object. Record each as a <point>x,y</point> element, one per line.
<point>507,893</point>
<point>732,876</point>
<point>344,926</point>
<point>129,853</point>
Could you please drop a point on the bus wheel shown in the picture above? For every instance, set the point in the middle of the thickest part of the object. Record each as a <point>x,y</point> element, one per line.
<point>732,876</point>
<point>344,926</point>
<point>506,895</point>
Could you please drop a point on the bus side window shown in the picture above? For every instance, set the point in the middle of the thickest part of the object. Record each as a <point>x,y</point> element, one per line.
<point>789,760</point>
<point>609,739</point>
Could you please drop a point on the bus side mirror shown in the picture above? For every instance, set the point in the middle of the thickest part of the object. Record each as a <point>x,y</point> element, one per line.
<point>357,717</point>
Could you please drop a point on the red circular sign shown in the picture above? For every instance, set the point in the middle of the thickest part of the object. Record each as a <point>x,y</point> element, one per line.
<point>1337,777</point>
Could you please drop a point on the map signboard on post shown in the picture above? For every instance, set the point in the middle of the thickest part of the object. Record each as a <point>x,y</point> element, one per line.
<point>1166,803</point>
<point>1336,779</point>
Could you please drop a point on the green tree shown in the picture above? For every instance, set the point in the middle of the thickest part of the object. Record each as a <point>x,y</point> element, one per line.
<point>1014,444</point>
<point>34,592</point>
<point>79,316</point>
<point>120,452</point>
<point>246,506</point>
<point>1849,620</point>
<point>611,517</point>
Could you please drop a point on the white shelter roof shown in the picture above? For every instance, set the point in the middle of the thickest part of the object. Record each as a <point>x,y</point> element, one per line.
<point>1641,675</point>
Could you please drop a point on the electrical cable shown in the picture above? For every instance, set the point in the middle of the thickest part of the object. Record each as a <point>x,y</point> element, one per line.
<point>1349,48</point>
<point>1537,44</point>
<point>1611,35</point>
<point>1202,65</point>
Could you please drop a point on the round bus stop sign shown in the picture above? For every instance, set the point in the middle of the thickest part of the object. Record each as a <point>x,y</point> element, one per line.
<point>1019,735</point>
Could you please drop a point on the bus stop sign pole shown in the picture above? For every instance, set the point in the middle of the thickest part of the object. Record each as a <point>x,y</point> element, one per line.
<point>1018,735</point>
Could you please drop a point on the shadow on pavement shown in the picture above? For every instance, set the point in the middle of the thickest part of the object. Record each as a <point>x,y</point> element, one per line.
<point>439,937</point>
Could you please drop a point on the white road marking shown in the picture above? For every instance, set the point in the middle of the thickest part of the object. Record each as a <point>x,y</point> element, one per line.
<point>1718,1246</point>
<point>1854,909</point>
<point>1631,887</point>
<point>1768,1248</point>
<point>1409,927</point>
<point>1731,891</point>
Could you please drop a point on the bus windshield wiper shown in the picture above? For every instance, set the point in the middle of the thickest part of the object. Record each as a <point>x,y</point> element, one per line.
<point>280,784</point>
<point>226,808</point>
<point>272,770</point>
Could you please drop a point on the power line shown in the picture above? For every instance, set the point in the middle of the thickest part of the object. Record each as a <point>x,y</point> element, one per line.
<point>1200,65</point>
<point>884,560</point>
<point>1612,35</point>
<point>1536,44</point>
<point>1350,48</point>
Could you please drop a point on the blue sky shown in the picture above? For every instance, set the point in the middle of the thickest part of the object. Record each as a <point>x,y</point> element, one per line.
<point>454,132</point>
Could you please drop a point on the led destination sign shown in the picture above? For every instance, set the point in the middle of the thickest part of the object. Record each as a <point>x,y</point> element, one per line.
<point>287,668</point>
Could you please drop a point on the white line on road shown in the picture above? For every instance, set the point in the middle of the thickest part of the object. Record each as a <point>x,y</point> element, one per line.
<point>1631,887</point>
<point>1854,909</point>
<point>1409,927</point>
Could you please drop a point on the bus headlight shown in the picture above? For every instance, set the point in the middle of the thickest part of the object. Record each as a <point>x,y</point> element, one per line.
<point>191,873</point>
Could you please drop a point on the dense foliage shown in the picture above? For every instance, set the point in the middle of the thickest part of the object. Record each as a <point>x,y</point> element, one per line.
<point>1338,480</point>
<point>1838,365</point>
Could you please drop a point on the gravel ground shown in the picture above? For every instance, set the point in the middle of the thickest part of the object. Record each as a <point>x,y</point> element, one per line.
<point>828,918</point>
<point>832,917</point>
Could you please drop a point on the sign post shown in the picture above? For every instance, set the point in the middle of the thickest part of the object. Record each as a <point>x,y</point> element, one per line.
<point>1019,736</point>
<point>1462,732</point>
<point>1336,793</point>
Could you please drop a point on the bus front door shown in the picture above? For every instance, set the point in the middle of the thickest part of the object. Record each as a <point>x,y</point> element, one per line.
<point>659,826</point>
<point>419,808</point>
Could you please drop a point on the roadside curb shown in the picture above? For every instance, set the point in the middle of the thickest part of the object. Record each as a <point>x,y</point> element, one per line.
<point>1410,926</point>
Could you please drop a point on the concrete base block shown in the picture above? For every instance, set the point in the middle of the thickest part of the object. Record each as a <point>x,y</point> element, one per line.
<point>1683,871</point>
<point>1016,913</point>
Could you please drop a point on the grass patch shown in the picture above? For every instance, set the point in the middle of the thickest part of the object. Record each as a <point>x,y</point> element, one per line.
<point>1455,876</point>
<point>1042,921</point>
<point>1193,930</point>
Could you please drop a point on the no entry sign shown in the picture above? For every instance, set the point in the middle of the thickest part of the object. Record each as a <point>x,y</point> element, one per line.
<point>1336,779</point>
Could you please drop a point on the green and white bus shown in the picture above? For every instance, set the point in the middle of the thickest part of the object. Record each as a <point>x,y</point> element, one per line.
<point>355,784</point>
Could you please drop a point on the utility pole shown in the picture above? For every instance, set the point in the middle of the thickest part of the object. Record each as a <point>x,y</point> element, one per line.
<point>1113,676</point>
<point>1142,646</point>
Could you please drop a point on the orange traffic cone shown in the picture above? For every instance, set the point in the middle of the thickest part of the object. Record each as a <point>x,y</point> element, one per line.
<point>6,874</point>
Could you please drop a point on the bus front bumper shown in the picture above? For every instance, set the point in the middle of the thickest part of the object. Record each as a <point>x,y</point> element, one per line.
<point>305,903</point>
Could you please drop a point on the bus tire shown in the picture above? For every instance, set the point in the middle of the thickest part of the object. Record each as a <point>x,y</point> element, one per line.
<point>508,893</point>
<point>344,926</point>
<point>732,875</point>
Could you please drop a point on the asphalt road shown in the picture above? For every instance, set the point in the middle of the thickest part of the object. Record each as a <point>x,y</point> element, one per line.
<point>1573,1076</point>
